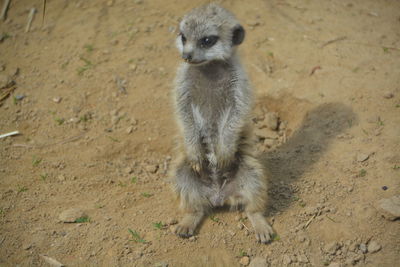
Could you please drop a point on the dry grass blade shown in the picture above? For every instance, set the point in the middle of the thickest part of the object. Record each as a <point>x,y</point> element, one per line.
<point>333,41</point>
<point>44,11</point>
<point>5,9</point>
<point>4,93</point>
<point>52,262</point>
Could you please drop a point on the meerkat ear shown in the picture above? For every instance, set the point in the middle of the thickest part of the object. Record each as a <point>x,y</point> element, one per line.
<point>238,35</point>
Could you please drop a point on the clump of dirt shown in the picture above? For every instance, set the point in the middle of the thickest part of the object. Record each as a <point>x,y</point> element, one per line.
<point>89,90</point>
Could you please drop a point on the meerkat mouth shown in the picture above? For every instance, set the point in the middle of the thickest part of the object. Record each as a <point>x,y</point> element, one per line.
<point>196,63</point>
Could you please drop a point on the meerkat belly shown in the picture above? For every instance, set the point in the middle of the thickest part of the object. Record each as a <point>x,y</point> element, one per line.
<point>208,114</point>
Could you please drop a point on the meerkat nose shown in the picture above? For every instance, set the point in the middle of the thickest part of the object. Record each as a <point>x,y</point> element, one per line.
<point>187,56</point>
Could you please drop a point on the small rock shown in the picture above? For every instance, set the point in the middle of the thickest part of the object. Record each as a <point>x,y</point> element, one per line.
<point>363,248</point>
<point>172,221</point>
<point>5,81</point>
<point>57,99</point>
<point>361,157</point>
<point>286,260</point>
<point>331,248</point>
<point>334,264</point>
<point>269,142</point>
<point>128,170</point>
<point>265,133</point>
<point>388,95</point>
<point>390,207</point>
<point>152,168</point>
<point>71,215</point>
<point>27,246</point>
<point>302,258</point>
<point>258,262</point>
<point>193,238</point>
<point>129,129</point>
<point>240,226</point>
<point>271,121</point>
<point>61,178</point>
<point>232,233</point>
<point>110,3</point>
<point>133,67</point>
<point>161,264</point>
<point>244,261</point>
<point>373,247</point>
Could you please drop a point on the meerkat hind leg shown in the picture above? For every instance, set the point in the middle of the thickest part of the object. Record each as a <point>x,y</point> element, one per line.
<point>252,175</point>
<point>192,202</point>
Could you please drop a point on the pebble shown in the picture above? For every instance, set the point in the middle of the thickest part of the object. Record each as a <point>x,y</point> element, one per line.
<point>244,261</point>
<point>286,260</point>
<point>334,264</point>
<point>258,262</point>
<point>240,226</point>
<point>129,129</point>
<point>271,121</point>
<point>302,258</point>
<point>331,248</point>
<point>5,80</point>
<point>269,142</point>
<point>70,215</point>
<point>192,238</point>
<point>388,95</point>
<point>172,221</point>
<point>390,207</point>
<point>265,133</point>
<point>152,168</point>
<point>128,170</point>
<point>161,264</point>
<point>363,248</point>
<point>361,157</point>
<point>373,247</point>
<point>61,178</point>
<point>57,99</point>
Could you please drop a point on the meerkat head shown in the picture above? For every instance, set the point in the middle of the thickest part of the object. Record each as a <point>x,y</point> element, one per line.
<point>209,33</point>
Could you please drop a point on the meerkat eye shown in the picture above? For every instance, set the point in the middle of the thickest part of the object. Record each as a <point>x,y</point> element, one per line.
<point>208,41</point>
<point>183,38</point>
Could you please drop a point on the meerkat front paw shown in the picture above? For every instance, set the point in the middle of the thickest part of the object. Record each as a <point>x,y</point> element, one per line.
<point>264,233</point>
<point>262,229</point>
<point>184,231</point>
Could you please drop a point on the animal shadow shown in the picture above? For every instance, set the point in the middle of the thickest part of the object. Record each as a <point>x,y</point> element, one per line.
<point>303,148</point>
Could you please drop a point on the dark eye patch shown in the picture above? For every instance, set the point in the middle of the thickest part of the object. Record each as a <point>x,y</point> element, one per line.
<point>183,38</point>
<point>208,41</point>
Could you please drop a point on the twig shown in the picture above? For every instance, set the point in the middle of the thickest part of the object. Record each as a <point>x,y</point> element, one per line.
<point>5,9</point>
<point>333,41</point>
<point>331,219</point>
<point>314,69</point>
<point>309,221</point>
<point>52,144</point>
<point>9,134</point>
<point>52,262</point>
<point>44,11</point>
<point>5,92</point>
<point>30,19</point>
<point>245,226</point>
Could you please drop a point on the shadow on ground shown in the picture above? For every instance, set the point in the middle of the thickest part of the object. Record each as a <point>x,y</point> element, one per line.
<point>303,148</point>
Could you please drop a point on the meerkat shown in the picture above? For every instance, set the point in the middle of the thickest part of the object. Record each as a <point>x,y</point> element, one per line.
<point>213,101</point>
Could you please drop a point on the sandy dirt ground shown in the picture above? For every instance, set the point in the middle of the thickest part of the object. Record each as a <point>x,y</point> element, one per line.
<point>92,101</point>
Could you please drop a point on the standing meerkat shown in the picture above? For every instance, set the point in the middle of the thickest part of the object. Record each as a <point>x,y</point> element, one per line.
<point>213,101</point>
